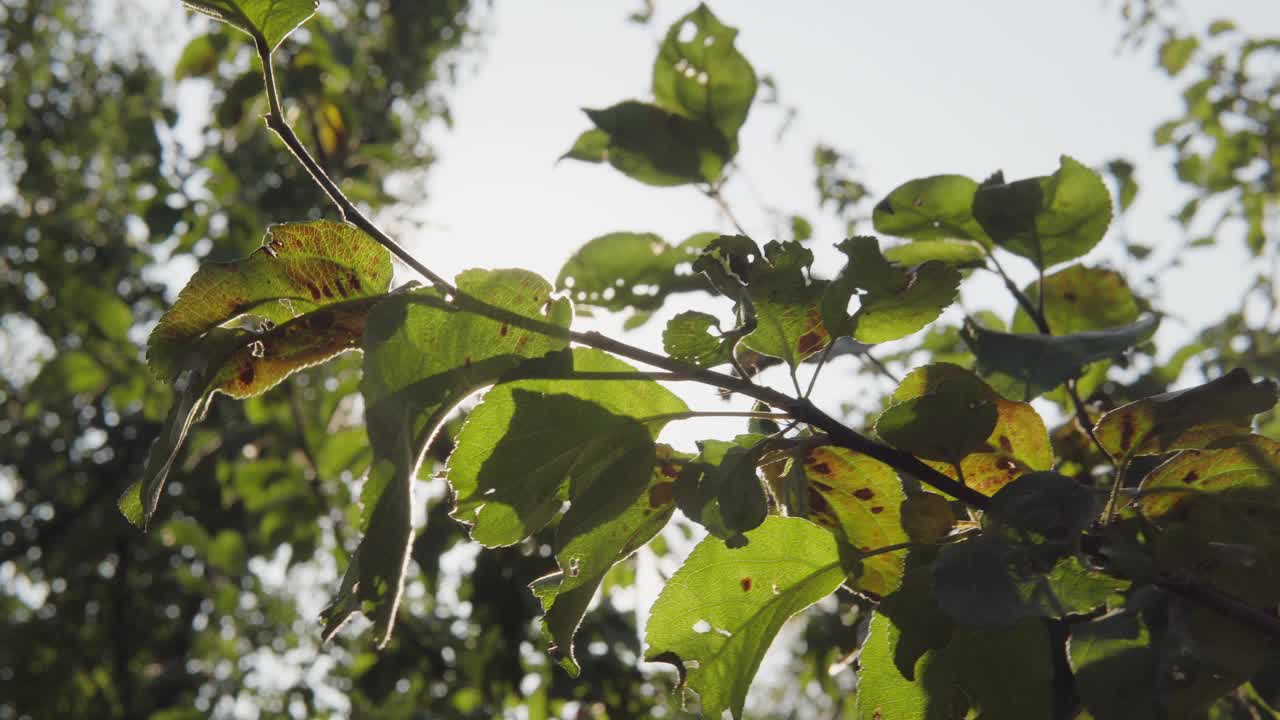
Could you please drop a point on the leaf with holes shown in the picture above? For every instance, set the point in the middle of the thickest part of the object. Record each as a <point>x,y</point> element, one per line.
<point>423,355</point>
<point>932,208</point>
<point>688,338</point>
<point>724,606</point>
<point>1023,367</point>
<point>701,75</point>
<point>1186,419</point>
<point>1047,220</point>
<point>859,499</point>
<point>632,270</point>
<point>272,20</point>
<point>299,268</point>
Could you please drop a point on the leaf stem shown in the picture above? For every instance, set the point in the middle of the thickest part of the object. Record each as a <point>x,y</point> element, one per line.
<point>694,414</point>
<point>713,192</point>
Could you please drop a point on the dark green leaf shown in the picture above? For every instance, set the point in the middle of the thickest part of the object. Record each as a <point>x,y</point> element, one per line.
<point>657,147</point>
<point>701,75</point>
<point>712,477</point>
<point>939,426</point>
<point>688,338</point>
<point>1025,366</point>
<point>1116,667</point>
<point>723,607</point>
<point>1047,220</point>
<point>896,302</point>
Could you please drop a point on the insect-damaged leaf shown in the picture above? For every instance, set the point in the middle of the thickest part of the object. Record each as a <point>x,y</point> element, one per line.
<point>655,146</point>
<point>701,75</point>
<point>932,208</point>
<point>1218,512</point>
<point>724,606</point>
<point>688,338</point>
<point>895,303</point>
<point>632,270</point>
<point>299,268</point>
<point>859,499</point>
<point>1186,419</point>
<point>422,357</point>
<point>1047,220</point>
<point>273,20</point>
<point>1023,367</point>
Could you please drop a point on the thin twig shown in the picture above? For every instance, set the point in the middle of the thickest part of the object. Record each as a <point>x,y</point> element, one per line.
<point>713,192</point>
<point>822,361</point>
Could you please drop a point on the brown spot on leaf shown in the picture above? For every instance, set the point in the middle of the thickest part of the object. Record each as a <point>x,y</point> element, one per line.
<point>877,509</point>
<point>1069,296</point>
<point>1006,444</point>
<point>669,470</point>
<point>247,373</point>
<point>820,485</point>
<point>315,291</point>
<point>822,468</point>
<point>661,493</point>
<point>817,503</point>
<point>1190,477</point>
<point>338,284</point>
<point>746,584</point>
<point>504,329</point>
<point>1006,464</point>
<point>864,493</point>
<point>1126,431</point>
<point>808,343</point>
<point>354,282</point>
<point>328,292</point>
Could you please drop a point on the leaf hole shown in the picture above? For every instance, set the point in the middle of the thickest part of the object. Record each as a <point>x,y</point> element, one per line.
<point>688,31</point>
<point>702,627</point>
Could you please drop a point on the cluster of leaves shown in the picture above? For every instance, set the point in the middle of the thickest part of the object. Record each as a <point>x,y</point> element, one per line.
<point>1049,579</point>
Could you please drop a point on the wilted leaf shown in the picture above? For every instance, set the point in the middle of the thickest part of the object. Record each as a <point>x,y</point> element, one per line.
<point>724,606</point>
<point>422,357</point>
<point>1047,220</point>
<point>701,75</point>
<point>1186,419</point>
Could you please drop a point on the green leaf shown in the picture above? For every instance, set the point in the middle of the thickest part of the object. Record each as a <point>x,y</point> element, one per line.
<point>658,147</point>
<point>932,208</point>
<point>724,606</point>
<point>917,665</point>
<point>960,254</point>
<point>859,498</point>
<point>1220,26</point>
<point>591,146</point>
<point>1047,220</point>
<point>1018,444</point>
<point>722,473</point>
<point>1026,366</point>
<point>299,268</point>
<point>532,444</point>
<point>1116,667</point>
<point>939,426</point>
<point>701,75</point>
<point>75,372</point>
<point>1176,52</point>
<point>422,357</point>
<point>102,309</point>
<point>1218,512</point>
<point>1080,299</point>
<point>896,302</point>
<point>788,320</point>
<point>200,56</point>
<point>1126,186</point>
<point>632,270</point>
<point>1186,419</point>
<point>271,20</point>
<point>586,556</point>
<point>688,338</point>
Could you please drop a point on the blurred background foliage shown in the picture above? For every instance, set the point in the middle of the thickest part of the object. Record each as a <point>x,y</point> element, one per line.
<point>213,613</point>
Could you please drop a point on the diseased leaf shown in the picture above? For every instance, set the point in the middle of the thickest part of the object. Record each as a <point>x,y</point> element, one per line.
<point>1218,512</point>
<point>272,19</point>
<point>931,208</point>
<point>1023,367</point>
<point>939,426</point>
<point>1186,419</point>
<point>1018,444</point>
<point>1047,220</point>
<point>724,606</point>
<point>422,357</point>
<point>632,270</point>
<point>299,268</point>
<point>1080,299</point>
<point>701,75</point>
<point>860,499</point>
<point>658,147</point>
